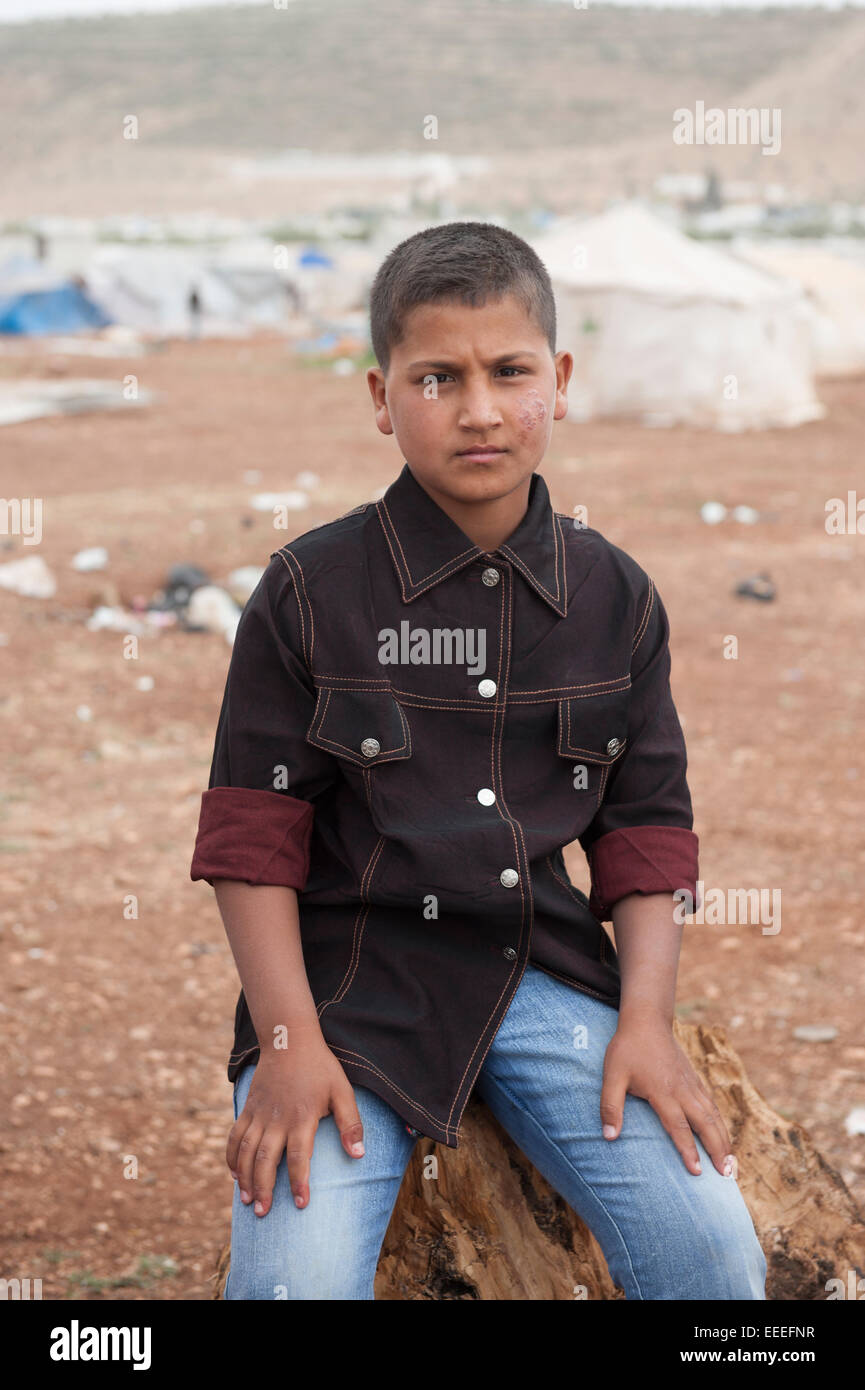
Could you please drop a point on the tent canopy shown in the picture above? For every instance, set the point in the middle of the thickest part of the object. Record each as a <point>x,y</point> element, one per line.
<point>35,300</point>
<point>628,247</point>
<point>670,331</point>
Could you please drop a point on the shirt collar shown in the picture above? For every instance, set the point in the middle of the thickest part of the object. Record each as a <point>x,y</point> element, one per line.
<point>426,546</point>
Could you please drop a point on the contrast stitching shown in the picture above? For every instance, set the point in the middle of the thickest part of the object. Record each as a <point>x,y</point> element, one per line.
<point>518,1104</point>
<point>586,685</point>
<point>556,598</point>
<point>396,563</point>
<point>561,578</point>
<point>367,1066</point>
<point>361,680</point>
<point>309,606</point>
<point>575,983</point>
<point>299,607</point>
<point>307,651</point>
<point>592,754</point>
<point>553,693</point>
<point>566,886</point>
<point>385,756</point>
<point>496,752</point>
<point>644,621</point>
<point>359,921</point>
<point>370,1066</point>
<point>443,570</point>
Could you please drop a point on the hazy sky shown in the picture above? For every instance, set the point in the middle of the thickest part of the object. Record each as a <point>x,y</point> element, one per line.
<point>18,10</point>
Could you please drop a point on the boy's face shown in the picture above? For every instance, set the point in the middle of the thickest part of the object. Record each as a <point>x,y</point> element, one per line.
<point>471,395</point>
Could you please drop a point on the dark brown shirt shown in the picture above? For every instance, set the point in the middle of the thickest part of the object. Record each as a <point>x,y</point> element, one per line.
<point>412,730</point>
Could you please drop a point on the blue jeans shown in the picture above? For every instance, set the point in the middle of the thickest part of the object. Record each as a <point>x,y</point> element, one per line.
<point>665,1233</point>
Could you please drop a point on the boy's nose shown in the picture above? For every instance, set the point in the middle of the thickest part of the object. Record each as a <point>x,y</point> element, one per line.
<point>478,410</point>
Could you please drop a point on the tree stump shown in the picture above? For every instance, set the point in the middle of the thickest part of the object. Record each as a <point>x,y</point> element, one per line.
<point>488,1226</point>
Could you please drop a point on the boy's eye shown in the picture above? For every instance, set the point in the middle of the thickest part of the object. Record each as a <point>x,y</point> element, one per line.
<point>438,376</point>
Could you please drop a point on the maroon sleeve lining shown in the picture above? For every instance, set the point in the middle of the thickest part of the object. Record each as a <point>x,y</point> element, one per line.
<point>253,836</point>
<point>642,859</point>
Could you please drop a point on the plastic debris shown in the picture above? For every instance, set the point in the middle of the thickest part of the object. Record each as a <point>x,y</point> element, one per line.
<point>145,683</point>
<point>758,586</point>
<point>30,577</point>
<point>31,400</point>
<point>108,618</point>
<point>854,1123</point>
<point>157,617</point>
<point>293,501</point>
<point>748,515</point>
<point>95,557</point>
<point>241,582</point>
<point>212,609</point>
<point>815,1032</point>
<point>713,512</point>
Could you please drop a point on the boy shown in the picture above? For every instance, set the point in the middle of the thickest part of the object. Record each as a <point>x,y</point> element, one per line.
<point>427,699</point>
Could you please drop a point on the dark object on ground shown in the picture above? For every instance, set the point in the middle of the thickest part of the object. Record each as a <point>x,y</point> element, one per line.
<point>181,583</point>
<point>757,586</point>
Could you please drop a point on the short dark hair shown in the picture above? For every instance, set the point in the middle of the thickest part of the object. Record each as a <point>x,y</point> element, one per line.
<point>468,262</point>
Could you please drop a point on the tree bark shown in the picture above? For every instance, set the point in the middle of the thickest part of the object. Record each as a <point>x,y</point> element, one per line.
<point>480,1222</point>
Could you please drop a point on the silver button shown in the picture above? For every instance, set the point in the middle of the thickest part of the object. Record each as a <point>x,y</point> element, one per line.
<point>486,797</point>
<point>509,953</point>
<point>613,745</point>
<point>370,747</point>
<point>490,577</point>
<point>509,878</point>
<point>487,689</point>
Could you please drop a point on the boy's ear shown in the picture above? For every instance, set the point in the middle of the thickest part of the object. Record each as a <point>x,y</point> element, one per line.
<point>564,366</point>
<point>376,383</point>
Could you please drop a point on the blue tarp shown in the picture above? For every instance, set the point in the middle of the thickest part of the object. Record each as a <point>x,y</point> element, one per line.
<point>62,309</point>
<point>312,256</point>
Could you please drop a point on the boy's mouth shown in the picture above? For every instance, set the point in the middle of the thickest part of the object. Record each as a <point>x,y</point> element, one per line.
<point>481,451</point>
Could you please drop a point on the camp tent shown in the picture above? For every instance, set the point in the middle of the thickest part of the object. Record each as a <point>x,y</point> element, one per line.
<point>669,330</point>
<point>334,279</point>
<point>835,286</point>
<point>35,301</point>
<point>149,289</point>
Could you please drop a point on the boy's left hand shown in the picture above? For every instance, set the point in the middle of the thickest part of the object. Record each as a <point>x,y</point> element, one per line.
<point>644,1059</point>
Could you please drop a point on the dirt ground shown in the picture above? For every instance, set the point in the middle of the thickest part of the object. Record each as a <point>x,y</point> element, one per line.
<point>116,1029</point>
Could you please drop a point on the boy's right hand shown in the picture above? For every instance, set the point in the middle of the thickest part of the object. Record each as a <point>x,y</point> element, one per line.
<point>291,1091</point>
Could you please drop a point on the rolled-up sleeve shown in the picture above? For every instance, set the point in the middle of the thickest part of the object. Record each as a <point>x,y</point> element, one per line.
<point>642,840</point>
<point>256,817</point>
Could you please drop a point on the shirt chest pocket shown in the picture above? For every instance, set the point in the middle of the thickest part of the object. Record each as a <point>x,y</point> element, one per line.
<point>592,732</point>
<point>361,727</point>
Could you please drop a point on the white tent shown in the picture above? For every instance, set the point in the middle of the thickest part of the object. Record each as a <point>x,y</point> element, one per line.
<point>673,331</point>
<point>148,288</point>
<point>835,285</point>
